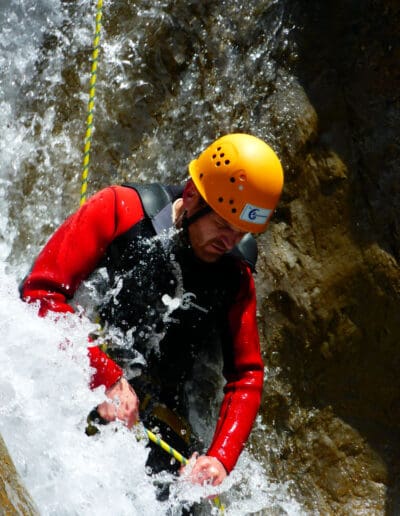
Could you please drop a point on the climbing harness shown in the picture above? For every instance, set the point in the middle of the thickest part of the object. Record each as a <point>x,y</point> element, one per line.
<point>92,94</point>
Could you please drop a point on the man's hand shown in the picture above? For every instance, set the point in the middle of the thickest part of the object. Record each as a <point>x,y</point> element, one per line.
<point>205,470</point>
<point>124,404</point>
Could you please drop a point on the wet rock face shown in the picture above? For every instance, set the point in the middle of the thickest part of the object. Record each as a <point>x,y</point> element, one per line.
<point>14,498</point>
<point>330,282</point>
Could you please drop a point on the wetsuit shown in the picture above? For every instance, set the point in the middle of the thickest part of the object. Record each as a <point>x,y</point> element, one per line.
<point>165,303</point>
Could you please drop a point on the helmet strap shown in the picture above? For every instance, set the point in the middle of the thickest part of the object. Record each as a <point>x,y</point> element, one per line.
<point>187,221</point>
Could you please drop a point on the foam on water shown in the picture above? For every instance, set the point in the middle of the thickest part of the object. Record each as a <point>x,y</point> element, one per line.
<point>44,401</point>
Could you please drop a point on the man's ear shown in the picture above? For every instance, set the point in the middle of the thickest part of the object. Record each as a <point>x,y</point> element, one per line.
<point>190,196</point>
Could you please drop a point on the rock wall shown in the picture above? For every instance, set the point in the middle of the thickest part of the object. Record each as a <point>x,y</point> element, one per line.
<point>329,290</point>
<point>14,498</point>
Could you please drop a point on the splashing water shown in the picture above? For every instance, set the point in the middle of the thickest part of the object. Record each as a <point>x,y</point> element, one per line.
<point>44,402</point>
<point>44,393</point>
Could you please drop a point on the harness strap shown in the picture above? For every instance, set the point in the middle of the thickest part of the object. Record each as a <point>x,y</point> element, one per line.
<point>247,251</point>
<point>187,221</point>
<point>175,422</point>
<point>157,204</point>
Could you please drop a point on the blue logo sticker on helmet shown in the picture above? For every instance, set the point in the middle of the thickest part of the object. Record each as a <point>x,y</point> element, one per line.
<point>255,214</point>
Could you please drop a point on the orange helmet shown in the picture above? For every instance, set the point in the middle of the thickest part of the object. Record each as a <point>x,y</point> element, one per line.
<point>241,178</point>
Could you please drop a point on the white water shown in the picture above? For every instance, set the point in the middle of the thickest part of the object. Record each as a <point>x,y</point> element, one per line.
<point>44,394</point>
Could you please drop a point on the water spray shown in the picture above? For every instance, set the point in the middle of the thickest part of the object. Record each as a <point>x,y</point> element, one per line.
<point>180,458</point>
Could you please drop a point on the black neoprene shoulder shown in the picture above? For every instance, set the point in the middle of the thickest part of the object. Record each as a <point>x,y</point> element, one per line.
<point>156,198</point>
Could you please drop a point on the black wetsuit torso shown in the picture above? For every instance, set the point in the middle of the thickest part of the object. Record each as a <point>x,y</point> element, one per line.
<point>166,302</point>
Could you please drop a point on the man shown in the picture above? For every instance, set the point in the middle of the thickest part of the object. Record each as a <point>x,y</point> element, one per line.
<point>176,278</point>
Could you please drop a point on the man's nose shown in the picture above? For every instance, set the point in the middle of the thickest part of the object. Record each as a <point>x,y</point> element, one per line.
<point>230,238</point>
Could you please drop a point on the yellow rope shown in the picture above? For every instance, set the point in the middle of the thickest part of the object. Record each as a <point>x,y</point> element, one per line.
<point>92,94</point>
<point>180,458</point>
<point>166,447</point>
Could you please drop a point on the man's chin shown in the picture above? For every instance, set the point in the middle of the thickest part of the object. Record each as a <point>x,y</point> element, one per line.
<point>209,256</point>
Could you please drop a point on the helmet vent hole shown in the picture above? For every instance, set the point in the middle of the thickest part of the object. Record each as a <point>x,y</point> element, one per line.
<point>218,163</point>
<point>220,199</point>
<point>232,180</point>
<point>219,148</point>
<point>214,156</point>
<point>201,175</point>
<point>231,201</point>
<point>227,162</point>
<point>222,154</point>
<point>233,210</point>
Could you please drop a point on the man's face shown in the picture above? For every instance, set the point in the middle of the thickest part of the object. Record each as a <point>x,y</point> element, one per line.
<point>211,237</point>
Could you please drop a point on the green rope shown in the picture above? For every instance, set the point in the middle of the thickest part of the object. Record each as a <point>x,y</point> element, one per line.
<point>92,94</point>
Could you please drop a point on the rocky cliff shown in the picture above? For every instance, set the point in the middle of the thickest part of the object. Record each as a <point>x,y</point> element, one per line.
<point>329,311</point>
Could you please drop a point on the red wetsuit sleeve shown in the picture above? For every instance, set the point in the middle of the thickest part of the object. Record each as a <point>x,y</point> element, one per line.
<point>244,372</point>
<point>73,252</point>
